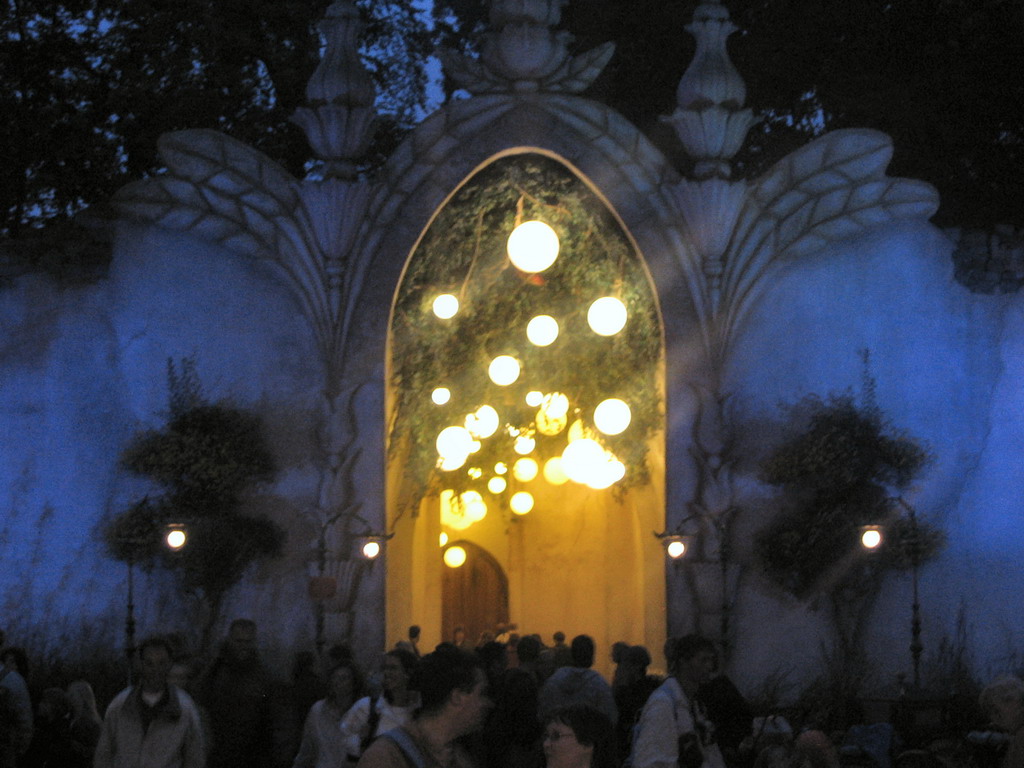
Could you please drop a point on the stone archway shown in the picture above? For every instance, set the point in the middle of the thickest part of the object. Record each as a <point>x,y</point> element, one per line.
<point>583,561</point>
<point>474,596</point>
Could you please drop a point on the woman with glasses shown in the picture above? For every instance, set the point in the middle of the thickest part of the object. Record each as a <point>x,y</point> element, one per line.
<point>579,737</point>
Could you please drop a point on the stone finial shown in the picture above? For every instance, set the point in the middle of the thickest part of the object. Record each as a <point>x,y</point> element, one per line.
<point>340,118</point>
<point>522,52</point>
<point>710,119</point>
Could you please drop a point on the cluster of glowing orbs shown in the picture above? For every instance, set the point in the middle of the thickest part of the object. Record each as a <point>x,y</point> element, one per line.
<point>524,445</point>
<point>525,469</point>
<point>521,502</point>
<point>475,472</point>
<point>607,316</point>
<point>612,416</point>
<point>483,423</point>
<point>454,557</point>
<point>532,246</point>
<point>473,505</point>
<point>445,306</point>
<point>504,370</point>
<point>585,461</point>
<point>578,458</point>
<point>534,398</point>
<point>676,549</point>
<point>554,473</point>
<point>497,485</point>
<point>371,549</point>
<point>461,512</point>
<point>441,395</point>
<point>542,330</point>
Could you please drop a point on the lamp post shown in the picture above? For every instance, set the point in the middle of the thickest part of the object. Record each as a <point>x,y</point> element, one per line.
<point>913,544</point>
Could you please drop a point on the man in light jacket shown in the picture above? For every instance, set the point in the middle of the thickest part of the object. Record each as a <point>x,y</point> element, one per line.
<point>154,724</point>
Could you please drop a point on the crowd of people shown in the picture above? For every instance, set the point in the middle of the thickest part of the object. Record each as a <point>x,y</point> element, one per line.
<point>509,702</point>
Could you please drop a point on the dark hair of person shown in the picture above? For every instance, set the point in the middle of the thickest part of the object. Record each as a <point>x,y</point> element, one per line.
<point>559,637</point>
<point>358,682</point>
<point>20,659</point>
<point>591,729</point>
<point>684,648</point>
<point>528,648</point>
<point>407,659</point>
<point>442,672</point>
<point>618,649</point>
<point>414,632</point>
<point>156,641</point>
<point>637,656</point>
<point>582,650</point>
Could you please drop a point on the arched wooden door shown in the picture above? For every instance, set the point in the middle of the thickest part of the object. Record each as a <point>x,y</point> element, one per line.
<point>474,595</point>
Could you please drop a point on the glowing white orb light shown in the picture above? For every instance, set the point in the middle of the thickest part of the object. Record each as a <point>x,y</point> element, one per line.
<point>525,469</point>
<point>497,485</point>
<point>521,502</point>
<point>445,306</point>
<point>534,398</point>
<point>676,549</point>
<point>453,442</point>
<point>532,246</point>
<point>524,445</point>
<point>580,458</point>
<point>612,416</point>
<point>501,468</point>
<point>451,463</point>
<point>542,330</point>
<point>441,395</point>
<point>871,538</point>
<point>474,506</point>
<point>503,370</point>
<point>453,514</point>
<point>607,316</point>
<point>483,422</point>
<point>554,473</point>
<point>455,557</point>
<point>371,549</point>
<point>176,538</point>
<point>442,539</point>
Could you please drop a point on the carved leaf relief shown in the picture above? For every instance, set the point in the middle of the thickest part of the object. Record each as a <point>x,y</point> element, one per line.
<point>581,70</point>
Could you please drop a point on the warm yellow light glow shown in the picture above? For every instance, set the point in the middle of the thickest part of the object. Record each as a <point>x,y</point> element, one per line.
<point>371,549</point>
<point>497,485</point>
<point>612,416</point>
<point>553,414</point>
<point>501,468</point>
<point>474,506</point>
<point>521,502</point>
<point>503,370</point>
<point>455,557</point>
<point>441,395</point>
<point>871,538</point>
<point>607,316</point>
<point>483,422</point>
<point>453,442</point>
<point>451,463</point>
<point>605,474</point>
<point>580,458</point>
<point>554,473</point>
<point>176,538</point>
<point>475,472</point>
<point>542,330</point>
<point>453,513</point>
<point>532,246</point>
<point>446,306</point>
<point>442,539</point>
<point>534,398</point>
<point>525,469</point>
<point>524,445</point>
<point>676,549</point>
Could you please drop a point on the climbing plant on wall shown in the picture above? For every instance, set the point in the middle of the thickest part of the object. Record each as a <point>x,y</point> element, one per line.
<point>203,463</point>
<point>464,255</point>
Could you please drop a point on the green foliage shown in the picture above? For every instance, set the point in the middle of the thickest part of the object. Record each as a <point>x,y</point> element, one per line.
<point>204,461</point>
<point>463,252</point>
<point>837,473</point>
